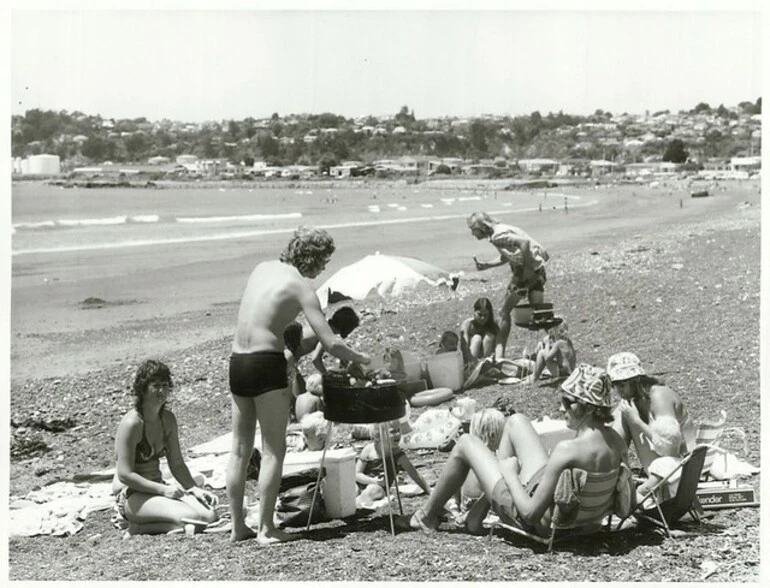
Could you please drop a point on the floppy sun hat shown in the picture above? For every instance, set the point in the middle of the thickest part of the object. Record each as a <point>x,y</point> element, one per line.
<point>588,384</point>
<point>623,366</point>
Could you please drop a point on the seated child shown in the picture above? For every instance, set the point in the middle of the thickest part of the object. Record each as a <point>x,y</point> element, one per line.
<point>479,332</point>
<point>314,427</point>
<point>371,465</point>
<point>556,353</point>
<point>486,424</point>
<point>666,439</point>
<point>300,341</point>
<point>311,400</point>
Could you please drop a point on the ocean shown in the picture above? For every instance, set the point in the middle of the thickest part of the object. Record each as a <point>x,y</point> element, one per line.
<point>51,219</point>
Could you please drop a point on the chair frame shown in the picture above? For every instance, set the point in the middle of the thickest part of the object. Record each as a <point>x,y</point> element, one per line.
<point>687,491</point>
<point>601,518</point>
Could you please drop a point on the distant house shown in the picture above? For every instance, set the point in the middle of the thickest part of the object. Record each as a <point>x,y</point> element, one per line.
<point>746,164</point>
<point>538,165</point>
<point>601,167</point>
<point>187,159</point>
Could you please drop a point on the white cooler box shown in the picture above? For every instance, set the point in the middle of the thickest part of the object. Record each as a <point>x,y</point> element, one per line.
<point>552,431</point>
<point>339,488</point>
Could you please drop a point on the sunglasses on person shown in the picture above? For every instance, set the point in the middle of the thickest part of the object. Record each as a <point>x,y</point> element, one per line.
<point>567,402</point>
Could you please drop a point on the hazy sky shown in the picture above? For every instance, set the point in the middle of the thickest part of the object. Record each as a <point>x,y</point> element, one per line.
<point>213,65</point>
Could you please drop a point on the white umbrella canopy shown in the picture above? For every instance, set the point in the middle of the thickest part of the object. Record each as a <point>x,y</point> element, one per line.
<point>388,275</point>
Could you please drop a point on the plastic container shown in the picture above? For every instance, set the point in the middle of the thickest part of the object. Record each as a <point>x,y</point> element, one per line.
<point>339,487</point>
<point>446,370</point>
<point>552,431</point>
<point>412,366</point>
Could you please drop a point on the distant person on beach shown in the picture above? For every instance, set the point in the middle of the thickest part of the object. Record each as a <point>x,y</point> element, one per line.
<point>143,501</point>
<point>275,294</point>
<point>643,400</point>
<point>479,332</point>
<point>300,341</point>
<point>555,352</point>
<point>527,259</point>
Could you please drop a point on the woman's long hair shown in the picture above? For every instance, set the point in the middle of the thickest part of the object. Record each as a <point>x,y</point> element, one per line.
<point>484,304</point>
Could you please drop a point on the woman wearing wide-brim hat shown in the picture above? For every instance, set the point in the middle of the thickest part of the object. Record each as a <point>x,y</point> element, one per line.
<point>643,399</point>
<point>519,481</point>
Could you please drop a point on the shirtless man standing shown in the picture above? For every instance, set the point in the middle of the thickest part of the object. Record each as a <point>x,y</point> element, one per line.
<point>275,294</point>
<point>527,259</point>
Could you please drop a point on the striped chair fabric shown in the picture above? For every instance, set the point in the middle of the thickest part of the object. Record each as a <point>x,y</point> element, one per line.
<point>596,498</point>
<point>709,433</point>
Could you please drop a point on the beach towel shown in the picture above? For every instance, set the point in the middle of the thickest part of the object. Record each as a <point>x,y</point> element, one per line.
<point>432,429</point>
<point>57,509</point>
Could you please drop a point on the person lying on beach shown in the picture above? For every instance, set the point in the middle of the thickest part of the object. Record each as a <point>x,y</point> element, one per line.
<point>276,292</point>
<point>372,464</point>
<point>300,341</point>
<point>556,352</point>
<point>146,433</point>
<point>643,400</point>
<point>666,441</point>
<point>527,259</point>
<point>479,332</point>
<point>487,424</point>
<point>519,481</point>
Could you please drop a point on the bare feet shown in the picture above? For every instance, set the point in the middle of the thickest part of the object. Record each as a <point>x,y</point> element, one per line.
<point>242,533</point>
<point>274,536</point>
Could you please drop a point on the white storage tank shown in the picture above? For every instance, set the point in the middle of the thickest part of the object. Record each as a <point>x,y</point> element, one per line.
<point>44,164</point>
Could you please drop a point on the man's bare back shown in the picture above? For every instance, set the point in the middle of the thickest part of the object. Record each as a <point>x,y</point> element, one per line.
<point>270,302</point>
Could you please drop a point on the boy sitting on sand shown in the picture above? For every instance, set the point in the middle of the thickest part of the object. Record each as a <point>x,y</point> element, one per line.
<point>556,352</point>
<point>372,465</point>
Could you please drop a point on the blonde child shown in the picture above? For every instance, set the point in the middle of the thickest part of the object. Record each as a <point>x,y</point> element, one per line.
<point>486,424</point>
<point>666,441</point>
<point>372,464</point>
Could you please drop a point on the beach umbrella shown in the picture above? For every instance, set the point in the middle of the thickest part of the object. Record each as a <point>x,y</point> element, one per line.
<point>388,275</point>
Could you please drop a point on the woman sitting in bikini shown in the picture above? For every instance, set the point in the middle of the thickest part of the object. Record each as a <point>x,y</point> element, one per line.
<point>146,433</point>
<point>519,482</point>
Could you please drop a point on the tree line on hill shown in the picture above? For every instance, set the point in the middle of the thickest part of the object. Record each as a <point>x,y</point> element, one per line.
<point>327,139</point>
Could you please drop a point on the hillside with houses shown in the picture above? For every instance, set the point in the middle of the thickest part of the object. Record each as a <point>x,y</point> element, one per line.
<point>722,142</point>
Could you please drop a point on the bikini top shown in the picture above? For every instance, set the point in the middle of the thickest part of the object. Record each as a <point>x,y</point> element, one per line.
<point>145,452</point>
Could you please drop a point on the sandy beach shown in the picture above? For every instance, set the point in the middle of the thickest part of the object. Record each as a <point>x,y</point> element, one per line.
<point>201,282</point>
<point>679,285</point>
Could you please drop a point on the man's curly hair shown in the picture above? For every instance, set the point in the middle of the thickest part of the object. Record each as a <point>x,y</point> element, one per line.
<point>307,248</point>
<point>151,370</point>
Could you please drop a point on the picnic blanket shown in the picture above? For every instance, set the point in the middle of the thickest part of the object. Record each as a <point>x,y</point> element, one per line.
<point>57,509</point>
<point>60,508</point>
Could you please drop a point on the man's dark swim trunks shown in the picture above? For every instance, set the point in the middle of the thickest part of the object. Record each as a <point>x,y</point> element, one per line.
<point>254,374</point>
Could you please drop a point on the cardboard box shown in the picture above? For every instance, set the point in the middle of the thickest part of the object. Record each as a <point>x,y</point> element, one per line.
<point>726,496</point>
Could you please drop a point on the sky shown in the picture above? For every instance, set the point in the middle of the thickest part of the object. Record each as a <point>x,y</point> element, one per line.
<point>196,65</point>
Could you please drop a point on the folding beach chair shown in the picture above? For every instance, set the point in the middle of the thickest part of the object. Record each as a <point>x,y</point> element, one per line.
<point>596,500</point>
<point>668,512</point>
<point>709,433</point>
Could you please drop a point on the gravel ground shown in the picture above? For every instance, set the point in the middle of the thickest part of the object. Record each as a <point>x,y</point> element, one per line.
<point>686,300</point>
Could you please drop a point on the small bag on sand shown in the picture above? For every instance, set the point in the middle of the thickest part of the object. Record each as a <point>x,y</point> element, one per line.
<point>295,497</point>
